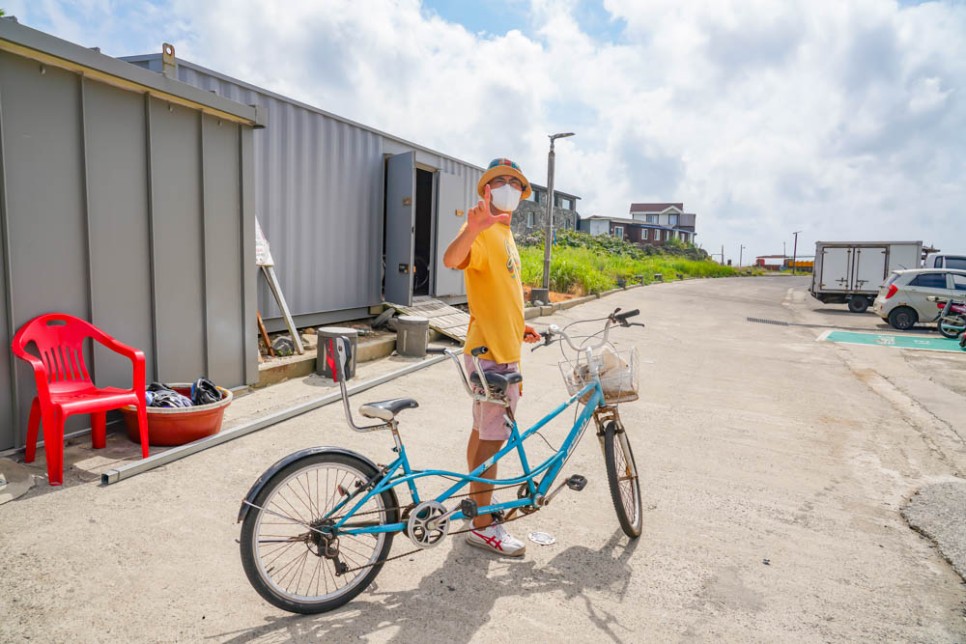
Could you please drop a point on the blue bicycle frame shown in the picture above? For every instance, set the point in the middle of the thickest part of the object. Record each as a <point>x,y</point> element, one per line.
<point>400,472</point>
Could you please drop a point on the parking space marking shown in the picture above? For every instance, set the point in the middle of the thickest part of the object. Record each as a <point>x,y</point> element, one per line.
<point>892,340</point>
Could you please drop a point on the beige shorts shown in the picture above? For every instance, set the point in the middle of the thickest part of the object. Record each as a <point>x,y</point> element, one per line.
<point>488,417</point>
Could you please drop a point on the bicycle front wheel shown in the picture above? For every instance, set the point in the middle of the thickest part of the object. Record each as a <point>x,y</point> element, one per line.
<point>287,551</point>
<point>952,326</point>
<point>622,478</point>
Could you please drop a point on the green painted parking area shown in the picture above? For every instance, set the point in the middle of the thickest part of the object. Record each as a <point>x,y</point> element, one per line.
<point>924,343</point>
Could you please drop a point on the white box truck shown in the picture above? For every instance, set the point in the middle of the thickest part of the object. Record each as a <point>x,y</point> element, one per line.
<point>851,272</point>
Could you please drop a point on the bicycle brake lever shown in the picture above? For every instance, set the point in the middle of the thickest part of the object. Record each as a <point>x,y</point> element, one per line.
<point>547,340</point>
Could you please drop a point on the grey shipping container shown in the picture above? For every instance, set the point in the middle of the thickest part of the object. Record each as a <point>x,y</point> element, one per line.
<point>126,199</point>
<point>344,206</point>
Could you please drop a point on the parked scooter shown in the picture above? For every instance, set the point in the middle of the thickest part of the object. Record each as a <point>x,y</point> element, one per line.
<point>952,319</point>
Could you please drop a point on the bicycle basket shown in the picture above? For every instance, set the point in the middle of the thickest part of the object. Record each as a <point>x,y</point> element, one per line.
<point>618,372</point>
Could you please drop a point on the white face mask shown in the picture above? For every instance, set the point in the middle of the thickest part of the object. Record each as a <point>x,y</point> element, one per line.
<point>506,198</point>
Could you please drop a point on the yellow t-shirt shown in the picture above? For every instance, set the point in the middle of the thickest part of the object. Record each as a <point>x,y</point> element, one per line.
<point>495,295</point>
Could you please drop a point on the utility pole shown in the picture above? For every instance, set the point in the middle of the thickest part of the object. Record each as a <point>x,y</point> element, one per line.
<point>795,251</point>
<point>548,239</point>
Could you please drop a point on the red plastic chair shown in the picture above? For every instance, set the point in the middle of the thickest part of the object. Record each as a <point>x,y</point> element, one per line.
<point>64,386</point>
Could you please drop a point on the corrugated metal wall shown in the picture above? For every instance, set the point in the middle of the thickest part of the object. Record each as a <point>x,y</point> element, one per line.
<point>125,201</point>
<point>319,184</point>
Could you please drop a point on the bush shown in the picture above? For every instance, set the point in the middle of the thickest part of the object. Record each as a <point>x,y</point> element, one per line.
<point>582,264</point>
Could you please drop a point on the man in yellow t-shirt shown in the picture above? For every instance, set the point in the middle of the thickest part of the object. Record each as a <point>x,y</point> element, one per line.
<point>486,253</point>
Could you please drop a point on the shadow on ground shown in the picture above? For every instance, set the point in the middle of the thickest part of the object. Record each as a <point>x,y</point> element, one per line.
<point>454,601</point>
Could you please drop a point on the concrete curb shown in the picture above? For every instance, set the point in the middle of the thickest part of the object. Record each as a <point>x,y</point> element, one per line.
<point>304,365</point>
<point>542,311</point>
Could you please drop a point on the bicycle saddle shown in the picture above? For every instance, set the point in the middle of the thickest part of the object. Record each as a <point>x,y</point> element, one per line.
<point>387,409</point>
<point>497,382</point>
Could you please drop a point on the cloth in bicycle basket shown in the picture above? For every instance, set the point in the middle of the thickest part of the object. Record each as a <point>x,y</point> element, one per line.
<point>617,371</point>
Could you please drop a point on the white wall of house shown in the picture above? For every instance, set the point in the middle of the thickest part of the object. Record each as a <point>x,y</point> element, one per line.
<point>670,217</point>
<point>599,227</point>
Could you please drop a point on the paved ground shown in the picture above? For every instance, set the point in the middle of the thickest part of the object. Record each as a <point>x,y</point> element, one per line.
<point>775,469</point>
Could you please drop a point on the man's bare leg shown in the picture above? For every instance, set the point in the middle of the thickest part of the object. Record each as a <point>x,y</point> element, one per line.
<point>477,451</point>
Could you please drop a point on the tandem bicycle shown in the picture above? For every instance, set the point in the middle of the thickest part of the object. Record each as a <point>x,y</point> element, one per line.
<point>318,525</point>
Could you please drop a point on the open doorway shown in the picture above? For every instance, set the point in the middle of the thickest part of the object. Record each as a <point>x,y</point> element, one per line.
<point>408,241</point>
<point>423,233</point>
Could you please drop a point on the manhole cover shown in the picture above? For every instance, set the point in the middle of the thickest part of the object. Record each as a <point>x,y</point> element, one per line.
<point>764,321</point>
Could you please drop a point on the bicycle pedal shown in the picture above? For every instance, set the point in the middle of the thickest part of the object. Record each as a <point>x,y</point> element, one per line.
<point>469,508</point>
<point>577,482</point>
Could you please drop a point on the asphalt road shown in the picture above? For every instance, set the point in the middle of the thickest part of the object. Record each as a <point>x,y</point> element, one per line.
<point>775,469</point>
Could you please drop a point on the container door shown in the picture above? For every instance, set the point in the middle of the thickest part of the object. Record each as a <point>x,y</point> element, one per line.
<point>869,268</point>
<point>400,228</point>
<point>835,269</point>
<point>451,215</point>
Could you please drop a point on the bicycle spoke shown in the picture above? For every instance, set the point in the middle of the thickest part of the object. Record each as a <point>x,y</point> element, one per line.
<point>291,535</point>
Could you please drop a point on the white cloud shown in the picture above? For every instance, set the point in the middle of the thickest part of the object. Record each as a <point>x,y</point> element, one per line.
<point>844,120</point>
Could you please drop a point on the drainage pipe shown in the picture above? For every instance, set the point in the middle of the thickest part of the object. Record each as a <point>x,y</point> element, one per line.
<point>177,453</point>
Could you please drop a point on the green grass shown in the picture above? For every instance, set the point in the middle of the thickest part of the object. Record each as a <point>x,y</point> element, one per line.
<point>582,264</point>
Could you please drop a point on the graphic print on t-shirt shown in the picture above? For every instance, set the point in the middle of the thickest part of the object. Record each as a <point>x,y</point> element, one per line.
<point>512,257</point>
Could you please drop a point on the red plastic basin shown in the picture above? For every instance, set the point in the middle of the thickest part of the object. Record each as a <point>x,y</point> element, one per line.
<point>177,426</point>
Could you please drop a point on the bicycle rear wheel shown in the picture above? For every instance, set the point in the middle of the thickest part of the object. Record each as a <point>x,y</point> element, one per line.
<point>284,549</point>
<point>622,478</point>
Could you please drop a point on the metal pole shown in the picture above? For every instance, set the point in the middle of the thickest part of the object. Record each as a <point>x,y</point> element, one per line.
<point>548,237</point>
<point>740,255</point>
<point>795,250</point>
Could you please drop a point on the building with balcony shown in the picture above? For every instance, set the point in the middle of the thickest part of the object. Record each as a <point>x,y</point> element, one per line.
<point>646,223</point>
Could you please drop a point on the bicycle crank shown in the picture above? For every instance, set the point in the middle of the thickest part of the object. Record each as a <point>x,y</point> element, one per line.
<point>576,482</point>
<point>428,524</point>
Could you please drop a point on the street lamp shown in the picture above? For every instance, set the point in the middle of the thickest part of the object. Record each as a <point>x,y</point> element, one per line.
<point>548,239</point>
<point>795,250</point>
<point>740,253</point>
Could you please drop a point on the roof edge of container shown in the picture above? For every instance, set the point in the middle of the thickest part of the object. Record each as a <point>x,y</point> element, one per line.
<point>306,106</point>
<point>36,45</point>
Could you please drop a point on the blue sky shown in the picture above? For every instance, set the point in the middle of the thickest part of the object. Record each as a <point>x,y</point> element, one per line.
<point>845,120</point>
<point>496,17</point>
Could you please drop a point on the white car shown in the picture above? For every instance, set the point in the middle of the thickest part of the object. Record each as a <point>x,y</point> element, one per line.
<point>903,298</point>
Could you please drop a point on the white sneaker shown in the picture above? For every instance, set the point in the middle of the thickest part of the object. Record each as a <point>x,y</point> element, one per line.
<point>495,538</point>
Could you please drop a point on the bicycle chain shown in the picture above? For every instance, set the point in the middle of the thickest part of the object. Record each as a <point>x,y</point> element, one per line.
<point>411,552</point>
<point>414,551</point>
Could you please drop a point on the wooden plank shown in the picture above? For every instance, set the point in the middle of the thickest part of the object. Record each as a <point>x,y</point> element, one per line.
<point>276,289</point>
<point>442,317</point>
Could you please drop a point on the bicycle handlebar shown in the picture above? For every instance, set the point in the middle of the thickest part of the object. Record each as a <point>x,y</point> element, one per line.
<point>614,318</point>
<point>621,318</point>
<point>548,338</point>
